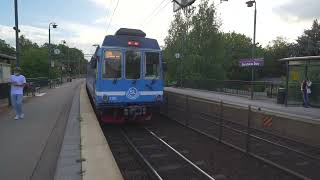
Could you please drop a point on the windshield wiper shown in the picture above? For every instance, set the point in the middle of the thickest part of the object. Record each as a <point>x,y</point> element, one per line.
<point>153,81</point>
<point>115,80</point>
<point>149,86</point>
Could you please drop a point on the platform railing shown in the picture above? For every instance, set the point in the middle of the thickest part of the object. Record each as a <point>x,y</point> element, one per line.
<point>266,89</point>
<point>214,121</point>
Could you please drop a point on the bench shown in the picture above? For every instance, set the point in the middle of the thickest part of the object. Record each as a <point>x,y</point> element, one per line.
<point>33,88</point>
<point>55,83</point>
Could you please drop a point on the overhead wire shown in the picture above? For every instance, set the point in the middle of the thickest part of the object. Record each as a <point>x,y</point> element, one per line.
<point>152,12</point>
<point>108,12</point>
<point>157,12</point>
<point>112,15</point>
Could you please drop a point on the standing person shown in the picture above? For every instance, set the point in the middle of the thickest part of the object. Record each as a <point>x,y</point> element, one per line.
<point>309,83</point>
<point>304,91</point>
<point>17,82</point>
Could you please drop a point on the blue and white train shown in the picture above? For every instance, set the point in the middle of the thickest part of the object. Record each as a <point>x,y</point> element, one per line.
<point>125,77</point>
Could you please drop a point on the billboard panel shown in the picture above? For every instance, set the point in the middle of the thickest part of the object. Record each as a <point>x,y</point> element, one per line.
<point>178,4</point>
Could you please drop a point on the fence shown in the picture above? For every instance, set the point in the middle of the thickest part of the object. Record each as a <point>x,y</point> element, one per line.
<point>261,88</point>
<point>240,127</point>
<point>4,90</point>
<point>39,82</point>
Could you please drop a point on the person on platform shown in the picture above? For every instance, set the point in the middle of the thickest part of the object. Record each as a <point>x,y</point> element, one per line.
<point>17,82</point>
<point>304,91</point>
<point>309,83</point>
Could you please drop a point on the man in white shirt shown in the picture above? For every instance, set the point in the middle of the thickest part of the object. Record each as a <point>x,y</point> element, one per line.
<point>17,82</point>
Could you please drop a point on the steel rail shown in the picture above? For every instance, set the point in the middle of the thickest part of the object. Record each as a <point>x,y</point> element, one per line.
<point>155,173</point>
<point>180,155</point>
<point>289,171</point>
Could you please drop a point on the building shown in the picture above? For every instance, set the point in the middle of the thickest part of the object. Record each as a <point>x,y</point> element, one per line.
<point>5,72</point>
<point>5,67</point>
<point>298,69</point>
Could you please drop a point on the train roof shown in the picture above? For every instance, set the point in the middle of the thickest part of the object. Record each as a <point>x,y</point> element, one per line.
<point>124,35</point>
<point>130,32</point>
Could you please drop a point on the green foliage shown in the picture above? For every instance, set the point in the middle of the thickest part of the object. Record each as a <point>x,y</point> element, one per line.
<point>308,44</point>
<point>197,38</point>
<point>34,62</point>
<point>238,46</point>
<point>6,48</point>
<point>207,53</point>
<point>277,49</point>
<point>34,59</point>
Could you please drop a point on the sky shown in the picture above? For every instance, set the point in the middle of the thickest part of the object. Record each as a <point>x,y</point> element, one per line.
<point>82,23</point>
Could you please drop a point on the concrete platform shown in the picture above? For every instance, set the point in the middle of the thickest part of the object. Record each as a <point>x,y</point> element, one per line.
<point>29,148</point>
<point>69,162</point>
<point>99,163</point>
<point>300,113</point>
<point>296,123</point>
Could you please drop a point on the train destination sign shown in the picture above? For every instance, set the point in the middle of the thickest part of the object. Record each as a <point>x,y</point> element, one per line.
<point>251,62</point>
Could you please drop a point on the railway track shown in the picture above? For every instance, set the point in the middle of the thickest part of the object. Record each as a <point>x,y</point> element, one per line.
<point>293,157</point>
<point>296,158</point>
<point>156,156</point>
<point>130,166</point>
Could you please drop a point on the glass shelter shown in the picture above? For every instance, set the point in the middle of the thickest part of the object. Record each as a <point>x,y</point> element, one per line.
<point>298,69</point>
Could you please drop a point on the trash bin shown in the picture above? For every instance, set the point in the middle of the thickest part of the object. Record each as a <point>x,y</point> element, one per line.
<point>281,95</point>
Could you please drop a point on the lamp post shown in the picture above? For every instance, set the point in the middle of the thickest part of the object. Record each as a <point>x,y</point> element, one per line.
<point>54,25</point>
<point>16,28</point>
<point>250,4</point>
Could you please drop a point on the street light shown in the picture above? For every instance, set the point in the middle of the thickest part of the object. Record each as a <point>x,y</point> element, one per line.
<point>250,4</point>
<point>16,28</point>
<point>54,25</point>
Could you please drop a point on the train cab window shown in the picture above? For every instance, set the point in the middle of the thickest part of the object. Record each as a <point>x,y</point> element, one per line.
<point>152,65</point>
<point>133,64</point>
<point>112,64</point>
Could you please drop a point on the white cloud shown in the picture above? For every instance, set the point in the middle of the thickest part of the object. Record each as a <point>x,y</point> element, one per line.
<point>299,10</point>
<point>76,35</point>
<point>134,14</point>
<point>104,4</point>
<point>235,16</point>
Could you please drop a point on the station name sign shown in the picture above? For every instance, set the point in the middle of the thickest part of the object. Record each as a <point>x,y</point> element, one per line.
<point>251,62</point>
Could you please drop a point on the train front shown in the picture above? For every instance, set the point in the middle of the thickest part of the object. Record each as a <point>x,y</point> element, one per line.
<point>130,79</point>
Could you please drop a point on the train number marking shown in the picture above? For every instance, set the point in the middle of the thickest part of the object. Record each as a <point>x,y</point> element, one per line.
<point>132,93</point>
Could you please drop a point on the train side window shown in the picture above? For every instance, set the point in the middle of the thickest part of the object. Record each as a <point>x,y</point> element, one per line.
<point>112,64</point>
<point>152,65</point>
<point>133,64</point>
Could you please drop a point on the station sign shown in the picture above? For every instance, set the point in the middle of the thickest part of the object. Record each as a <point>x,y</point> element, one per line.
<point>177,55</point>
<point>56,51</point>
<point>251,62</point>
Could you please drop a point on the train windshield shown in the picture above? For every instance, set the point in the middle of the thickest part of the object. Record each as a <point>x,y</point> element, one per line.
<point>152,65</point>
<point>133,64</point>
<point>112,67</point>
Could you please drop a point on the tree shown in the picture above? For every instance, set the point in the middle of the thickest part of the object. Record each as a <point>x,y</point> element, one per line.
<point>309,42</point>
<point>199,41</point>
<point>238,46</point>
<point>277,49</point>
<point>6,48</point>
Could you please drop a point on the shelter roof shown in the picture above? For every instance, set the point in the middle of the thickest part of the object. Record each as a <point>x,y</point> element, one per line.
<point>303,58</point>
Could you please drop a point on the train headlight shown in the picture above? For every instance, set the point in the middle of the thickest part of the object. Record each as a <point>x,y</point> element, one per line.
<point>126,112</point>
<point>105,98</point>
